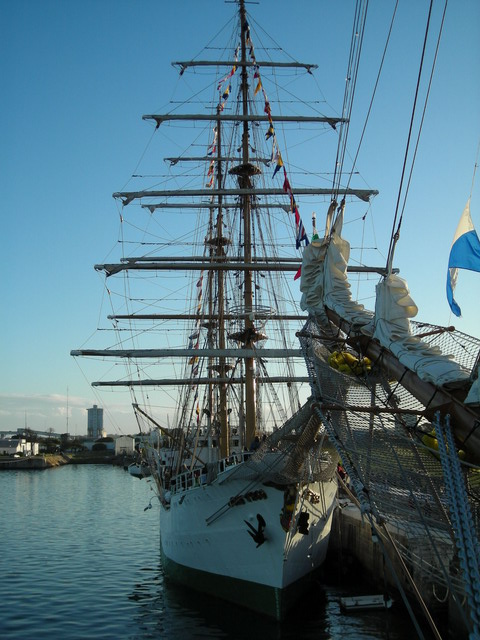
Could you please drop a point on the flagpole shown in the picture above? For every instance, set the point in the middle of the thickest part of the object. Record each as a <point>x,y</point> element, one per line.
<point>465,250</point>
<point>475,169</point>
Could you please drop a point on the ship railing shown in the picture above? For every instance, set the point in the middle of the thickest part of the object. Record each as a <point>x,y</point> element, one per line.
<point>197,477</point>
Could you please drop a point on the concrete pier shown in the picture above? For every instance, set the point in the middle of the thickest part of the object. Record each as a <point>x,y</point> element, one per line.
<point>413,557</point>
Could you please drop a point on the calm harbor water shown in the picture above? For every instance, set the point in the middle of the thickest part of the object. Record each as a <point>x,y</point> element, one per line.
<point>80,559</point>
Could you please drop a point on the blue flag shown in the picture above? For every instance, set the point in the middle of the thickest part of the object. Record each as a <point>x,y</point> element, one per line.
<point>464,254</point>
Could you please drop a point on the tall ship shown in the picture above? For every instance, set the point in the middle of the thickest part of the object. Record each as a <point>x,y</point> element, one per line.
<point>245,476</point>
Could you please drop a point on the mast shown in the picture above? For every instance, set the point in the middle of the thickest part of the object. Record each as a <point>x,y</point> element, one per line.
<point>244,174</point>
<point>210,342</point>
<point>229,377</point>
<point>220,254</point>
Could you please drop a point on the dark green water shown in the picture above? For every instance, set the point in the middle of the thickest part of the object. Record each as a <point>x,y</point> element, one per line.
<point>80,559</point>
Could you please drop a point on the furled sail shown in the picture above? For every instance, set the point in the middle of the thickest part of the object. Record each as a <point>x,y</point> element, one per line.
<point>325,280</point>
<point>393,309</point>
<point>325,285</point>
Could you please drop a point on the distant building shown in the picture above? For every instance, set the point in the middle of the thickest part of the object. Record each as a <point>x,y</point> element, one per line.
<point>95,423</point>
<point>107,444</point>
<point>124,445</point>
<point>18,446</point>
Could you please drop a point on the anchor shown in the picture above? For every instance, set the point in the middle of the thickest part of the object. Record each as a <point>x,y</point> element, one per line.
<point>257,534</point>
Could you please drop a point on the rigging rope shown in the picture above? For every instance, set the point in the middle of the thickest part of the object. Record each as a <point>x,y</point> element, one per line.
<point>395,235</point>
<point>352,73</point>
<point>373,94</point>
<point>423,113</point>
<point>468,547</point>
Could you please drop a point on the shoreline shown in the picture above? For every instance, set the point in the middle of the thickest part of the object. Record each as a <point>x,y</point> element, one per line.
<point>51,461</point>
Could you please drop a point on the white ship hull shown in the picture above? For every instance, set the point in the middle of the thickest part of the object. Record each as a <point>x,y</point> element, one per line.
<point>207,546</point>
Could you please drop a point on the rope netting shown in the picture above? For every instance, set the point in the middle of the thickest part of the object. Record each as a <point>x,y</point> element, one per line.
<point>389,448</point>
<point>295,453</point>
<point>464,349</point>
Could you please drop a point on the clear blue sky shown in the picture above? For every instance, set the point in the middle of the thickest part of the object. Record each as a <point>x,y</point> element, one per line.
<point>77,77</point>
